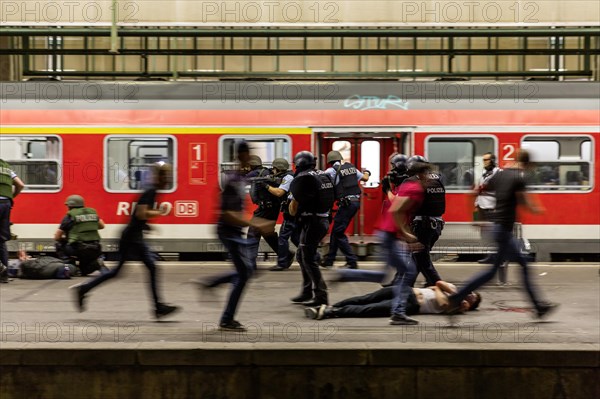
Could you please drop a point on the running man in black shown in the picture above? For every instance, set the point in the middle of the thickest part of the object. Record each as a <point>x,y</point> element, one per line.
<point>132,245</point>
<point>510,189</point>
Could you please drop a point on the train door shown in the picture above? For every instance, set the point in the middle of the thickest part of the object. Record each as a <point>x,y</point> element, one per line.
<point>366,150</point>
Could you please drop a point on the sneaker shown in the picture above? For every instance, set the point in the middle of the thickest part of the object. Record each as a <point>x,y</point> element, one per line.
<point>277,268</point>
<point>301,298</point>
<point>163,310</point>
<point>311,313</point>
<point>3,273</point>
<point>402,320</point>
<point>315,302</point>
<point>232,325</point>
<point>544,308</point>
<point>326,264</point>
<point>321,313</point>
<point>291,259</point>
<point>79,297</point>
<point>350,266</point>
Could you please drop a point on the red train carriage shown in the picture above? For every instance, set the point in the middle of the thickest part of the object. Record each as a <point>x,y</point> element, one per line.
<point>97,140</point>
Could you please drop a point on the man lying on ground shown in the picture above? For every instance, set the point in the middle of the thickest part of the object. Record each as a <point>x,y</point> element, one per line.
<point>430,300</point>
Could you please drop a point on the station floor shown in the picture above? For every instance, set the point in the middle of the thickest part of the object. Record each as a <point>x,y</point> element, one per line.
<point>119,312</point>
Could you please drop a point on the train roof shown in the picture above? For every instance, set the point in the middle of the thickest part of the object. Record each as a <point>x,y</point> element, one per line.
<point>300,95</point>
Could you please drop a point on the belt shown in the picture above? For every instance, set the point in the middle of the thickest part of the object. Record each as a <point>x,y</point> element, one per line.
<point>322,215</point>
<point>352,197</point>
<point>437,218</point>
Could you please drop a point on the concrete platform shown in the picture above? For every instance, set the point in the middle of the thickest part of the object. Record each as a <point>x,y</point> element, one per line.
<point>116,349</point>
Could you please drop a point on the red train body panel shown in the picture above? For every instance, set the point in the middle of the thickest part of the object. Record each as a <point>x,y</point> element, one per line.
<point>83,132</point>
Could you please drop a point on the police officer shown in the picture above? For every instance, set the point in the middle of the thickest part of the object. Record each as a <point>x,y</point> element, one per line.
<point>427,224</point>
<point>348,192</point>
<point>313,196</point>
<point>268,207</point>
<point>10,187</point>
<point>396,175</point>
<point>280,188</point>
<point>77,235</point>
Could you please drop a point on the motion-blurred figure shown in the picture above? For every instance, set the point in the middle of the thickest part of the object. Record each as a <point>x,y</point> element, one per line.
<point>229,229</point>
<point>509,186</point>
<point>132,245</point>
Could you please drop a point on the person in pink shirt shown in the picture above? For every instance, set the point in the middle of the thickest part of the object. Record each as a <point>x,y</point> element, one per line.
<point>395,223</point>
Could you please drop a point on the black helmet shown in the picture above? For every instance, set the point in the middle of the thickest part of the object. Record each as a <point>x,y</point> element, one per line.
<point>398,162</point>
<point>416,163</point>
<point>305,160</point>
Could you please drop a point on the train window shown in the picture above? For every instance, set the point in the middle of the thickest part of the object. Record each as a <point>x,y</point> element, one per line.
<point>266,147</point>
<point>35,159</point>
<point>458,159</point>
<point>370,152</point>
<point>129,158</point>
<point>560,162</point>
<point>343,147</point>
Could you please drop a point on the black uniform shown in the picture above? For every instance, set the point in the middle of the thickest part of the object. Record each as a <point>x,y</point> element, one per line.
<point>268,208</point>
<point>315,195</point>
<point>427,226</point>
<point>348,195</point>
<point>133,247</point>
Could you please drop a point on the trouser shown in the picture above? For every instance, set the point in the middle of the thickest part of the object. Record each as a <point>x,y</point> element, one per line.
<point>130,251</point>
<point>487,229</point>
<point>338,238</point>
<point>398,256</point>
<point>288,231</point>
<point>312,231</point>
<point>374,304</point>
<point>254,242</point>
<point>87,253</point>
<point>238,250</point>
<point>427,231</point>
<point>5,207</point>
<point>508,249</point>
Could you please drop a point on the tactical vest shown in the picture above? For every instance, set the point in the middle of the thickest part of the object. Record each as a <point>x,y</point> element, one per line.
<point>258,192</point>
<point>278,178</point>
<point>347,184</point>
<point>6,182</point>
<point>86,225</point>
<point>325,194</point>
<point>434,202</point>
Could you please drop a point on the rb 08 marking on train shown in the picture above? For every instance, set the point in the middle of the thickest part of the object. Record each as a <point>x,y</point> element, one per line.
<point>125,208</point>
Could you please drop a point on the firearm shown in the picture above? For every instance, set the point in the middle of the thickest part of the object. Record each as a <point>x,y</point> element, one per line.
<point>395,177</point>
